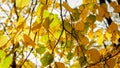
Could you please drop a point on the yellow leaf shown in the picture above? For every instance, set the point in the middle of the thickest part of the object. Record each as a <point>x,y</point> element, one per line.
<point>79,26</point>
<point>59,65</point>
<point>21,23</point>
<point>3,40</point>
<point>75,65</point>
<point>108,36</point>
<point>100,39</point>
<point>28,41</point>
<point>22,4</point>
<point>103,52</point>
<point>89,1</point>
<point>99,32</point>
<point>27,64</point>
<point>57,5</point>
<point>67,7</point>
<point>93,55</point>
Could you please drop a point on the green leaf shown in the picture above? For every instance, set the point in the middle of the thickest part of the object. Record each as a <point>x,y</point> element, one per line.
<point>5,63</point>
<point>75,15</point>
<point>57,34</point>
<point>47,22</point>
<point>82,59</point>
<point>47,59</point>
<point>55,23</point>
<point>46,14</point>
<point>68,44</point>
<point>91,18</point>
<point>70,56</point>
<point>2,54</point>
<point>41,49</point>
<point>86,27</point>
<point>67,26</point>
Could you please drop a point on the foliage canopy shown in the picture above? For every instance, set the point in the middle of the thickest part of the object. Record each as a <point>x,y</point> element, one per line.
<point>87,36</point>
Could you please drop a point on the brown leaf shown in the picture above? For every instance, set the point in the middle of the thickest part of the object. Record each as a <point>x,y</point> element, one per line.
<point>113,4</point>
<point>99,18</point>
<point>59,65</point>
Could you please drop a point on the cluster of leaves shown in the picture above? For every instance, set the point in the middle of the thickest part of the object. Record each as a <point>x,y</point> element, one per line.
<point>72,36</point>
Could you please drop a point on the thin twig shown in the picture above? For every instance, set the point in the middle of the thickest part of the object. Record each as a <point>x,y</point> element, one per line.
<point>62,26</point>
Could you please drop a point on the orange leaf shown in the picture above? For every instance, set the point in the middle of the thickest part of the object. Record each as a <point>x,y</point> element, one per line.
<point>79,26</point>
<point>113,27</point>
<point>107,15</point>
<point>36,27</point>
<point>84,13</point>
<point>94,55</point>
<point>46,2</point>
<point>117,9</point>
<point>113,4</point>
<point>91,34</point>
<point>110,63</point>
<point>83,40</point>
<point>101,11</point>
<point>59,65</point>
<point>28,41</point>
<point>67,7</point>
